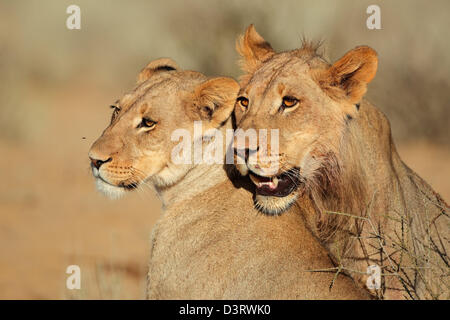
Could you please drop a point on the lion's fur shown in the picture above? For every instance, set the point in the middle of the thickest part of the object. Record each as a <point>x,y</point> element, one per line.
<point>210,241</point>
<point>406,215</point>
<point>216,245</point>
<point>364,204</point>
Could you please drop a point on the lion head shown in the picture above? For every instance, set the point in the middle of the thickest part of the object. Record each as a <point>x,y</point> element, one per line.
<point>136,146</point>
<point>308,102</point>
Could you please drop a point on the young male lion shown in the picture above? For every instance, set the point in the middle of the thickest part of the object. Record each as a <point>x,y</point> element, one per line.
<point>210,242</point>
<point>337,163</point>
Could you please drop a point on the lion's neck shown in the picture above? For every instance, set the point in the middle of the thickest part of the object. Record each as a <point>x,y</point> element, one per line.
<point>199,179</point>
<point>340,186</point>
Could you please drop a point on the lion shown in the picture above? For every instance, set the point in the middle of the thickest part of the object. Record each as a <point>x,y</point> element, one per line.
<point>210,242</point>
<point>337,163</point>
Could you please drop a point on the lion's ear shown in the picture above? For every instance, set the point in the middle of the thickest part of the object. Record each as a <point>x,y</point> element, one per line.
<point>214,100</point>
<point>155,66</point>
<point>253,49</point>
<point>352,73</point>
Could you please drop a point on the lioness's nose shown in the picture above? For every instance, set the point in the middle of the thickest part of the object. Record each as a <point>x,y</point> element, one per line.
<point>97,163</point>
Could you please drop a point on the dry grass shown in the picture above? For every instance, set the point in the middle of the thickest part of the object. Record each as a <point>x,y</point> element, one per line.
<point>415,254</point>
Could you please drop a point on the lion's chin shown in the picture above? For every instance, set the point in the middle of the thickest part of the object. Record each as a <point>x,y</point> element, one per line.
<point>275,205</point>
<point>109,190</point>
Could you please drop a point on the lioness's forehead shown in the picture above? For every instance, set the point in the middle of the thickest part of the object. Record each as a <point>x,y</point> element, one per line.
<point>165,85</point>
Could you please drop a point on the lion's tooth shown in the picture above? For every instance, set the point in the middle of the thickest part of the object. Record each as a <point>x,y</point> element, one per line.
<point>275,182</point>
<point>255,180</point>
<point>272,184</point>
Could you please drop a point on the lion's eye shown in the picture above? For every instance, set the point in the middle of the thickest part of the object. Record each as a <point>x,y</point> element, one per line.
<point>147,123</point>
<point>243,102</point>
<point>115,113</point>
<point>289,102</point>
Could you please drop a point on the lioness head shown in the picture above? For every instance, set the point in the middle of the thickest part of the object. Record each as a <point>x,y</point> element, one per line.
<point>137,144</point>
<point>309,101</point>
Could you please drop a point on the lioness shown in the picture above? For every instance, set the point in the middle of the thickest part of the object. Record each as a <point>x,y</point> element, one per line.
<point>210,241</point>
<point>337,163</point>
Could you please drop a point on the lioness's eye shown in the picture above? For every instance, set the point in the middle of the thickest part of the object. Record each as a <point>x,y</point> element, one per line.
<point>243,102</point>
<point>115,112</point>
<point>147,123</point>
<point>289,102</point>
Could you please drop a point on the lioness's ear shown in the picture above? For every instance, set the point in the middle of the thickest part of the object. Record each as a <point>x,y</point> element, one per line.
<point>253,49</point>
<point>352,73</point>
<point>214,100</point>
<point>159,65</point>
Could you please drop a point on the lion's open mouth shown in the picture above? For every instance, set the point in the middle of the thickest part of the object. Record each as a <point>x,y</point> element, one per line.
<point>276,186</point>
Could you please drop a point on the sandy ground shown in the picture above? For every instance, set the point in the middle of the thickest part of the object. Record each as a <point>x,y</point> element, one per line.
<point>51,215</point>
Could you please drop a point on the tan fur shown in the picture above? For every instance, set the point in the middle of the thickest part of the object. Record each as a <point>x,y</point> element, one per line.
<point>210,242</point>
<point>348,164</point>
<point>171,98</point>
<point>215,245</point>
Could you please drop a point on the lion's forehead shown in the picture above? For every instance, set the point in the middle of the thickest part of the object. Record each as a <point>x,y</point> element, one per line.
<point>276,73</point>
<point>164,86</point>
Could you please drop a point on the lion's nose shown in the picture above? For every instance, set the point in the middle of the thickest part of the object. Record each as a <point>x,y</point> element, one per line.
<point>97,163</point>
<point>245,152</point>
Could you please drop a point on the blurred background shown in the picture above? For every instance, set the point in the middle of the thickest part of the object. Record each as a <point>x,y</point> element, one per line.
<point>56,86</point>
